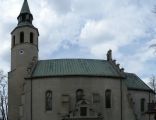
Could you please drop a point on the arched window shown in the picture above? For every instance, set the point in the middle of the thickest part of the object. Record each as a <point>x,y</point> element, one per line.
<point>48,100</point>
<point>108,98</point>
<point>27,17</point>
<point>13,41</point>
<point>31,37</point>
<point>79,94</point>
<point>142,104</point>
<point>23,17</point>
<point>21,37</point>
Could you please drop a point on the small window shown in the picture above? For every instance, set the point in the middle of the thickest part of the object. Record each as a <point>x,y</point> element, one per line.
<point>96,98</point>
<point>31,37</point>
<point>108,98</point>
<point>65,98</point>
<point>48,97</point>
<point>21,37</point>
<point>79,95</point>
<point>83,111</point>
<point>142,105</point>
<point>13,41</point>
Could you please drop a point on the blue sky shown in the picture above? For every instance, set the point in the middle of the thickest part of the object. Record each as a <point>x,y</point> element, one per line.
<point>88,29</point>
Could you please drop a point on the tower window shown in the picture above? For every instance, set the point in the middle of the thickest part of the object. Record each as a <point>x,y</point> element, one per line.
<point>48,100</point>
<point>142,105</point>
<point>27,17</point>
<point>83,111</point>
<point>23,17</point>
<point>108,98</point>
<point>21,37</point>
<point>31,37</point>
<point>13,41</point>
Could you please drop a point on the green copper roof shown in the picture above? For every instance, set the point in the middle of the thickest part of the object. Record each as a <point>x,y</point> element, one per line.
<point>134,82</point>
<point>25,8</point>
<point>84,67</point>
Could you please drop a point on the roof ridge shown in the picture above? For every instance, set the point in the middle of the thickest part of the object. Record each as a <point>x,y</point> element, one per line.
<point>72,59</point>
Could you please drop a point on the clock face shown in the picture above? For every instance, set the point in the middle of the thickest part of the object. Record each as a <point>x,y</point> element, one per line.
<point>21,51</point>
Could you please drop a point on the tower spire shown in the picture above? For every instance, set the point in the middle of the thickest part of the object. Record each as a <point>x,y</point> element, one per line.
<point>25,17</point>
<point>25,7</point>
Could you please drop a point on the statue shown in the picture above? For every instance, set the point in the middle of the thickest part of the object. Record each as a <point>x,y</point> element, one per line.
<point>109,55</point>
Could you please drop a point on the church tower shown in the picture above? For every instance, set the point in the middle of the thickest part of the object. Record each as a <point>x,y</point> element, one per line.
<point>24,48</point>
<point>24,39</point>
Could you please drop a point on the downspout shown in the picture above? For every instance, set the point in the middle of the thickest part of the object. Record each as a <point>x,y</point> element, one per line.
<point>121,96</point>
<point>30,78</point>
<point>149,99</point>
<point>31,98</point>
<point>34,67</point>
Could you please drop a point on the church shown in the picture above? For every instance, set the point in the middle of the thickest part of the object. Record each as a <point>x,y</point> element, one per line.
<point>70,89</point>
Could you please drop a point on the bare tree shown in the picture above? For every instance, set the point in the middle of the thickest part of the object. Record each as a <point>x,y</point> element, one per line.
<point>152,83</point>
<point>3,96</point>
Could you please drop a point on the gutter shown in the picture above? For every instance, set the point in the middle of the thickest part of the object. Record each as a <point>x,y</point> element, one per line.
<point>53,76</point>
<point>144,90</point>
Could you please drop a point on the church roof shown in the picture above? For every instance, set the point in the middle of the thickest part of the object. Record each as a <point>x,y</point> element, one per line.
<point>86,67</point>
<point>77,67</point>
<point>133,82</point>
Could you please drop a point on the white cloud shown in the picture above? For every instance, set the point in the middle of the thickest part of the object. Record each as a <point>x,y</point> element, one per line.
<point>139,62</point>
<point>94,25</point>
<point>121,28</point>
<point>62,7</point>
